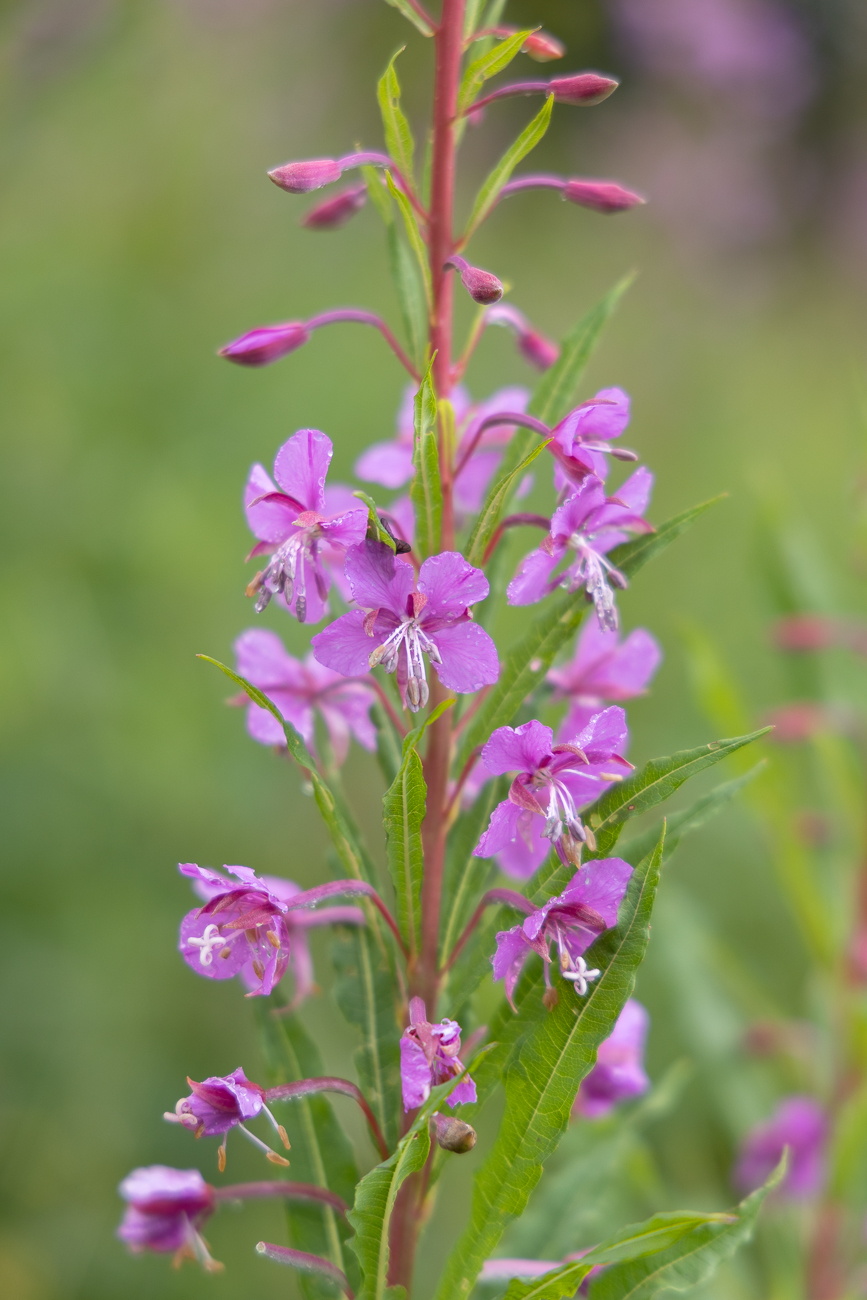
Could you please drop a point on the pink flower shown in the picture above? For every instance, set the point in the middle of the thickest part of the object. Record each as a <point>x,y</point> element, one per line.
<point>239,930</point>
<point>571,921</point>
<point>166,1207</point>
<point>305,526</point>
<point>582,439</point>
<point>333,213</point>
<point>619,1070</point>
<point>554,782</point>
<point>401,621</point>
<point>604,668</point>
<point>800,1124</point>
<point>586,526</point>
<point>429,1057</point>
<point>298,688</point>
<point>221,1103</point>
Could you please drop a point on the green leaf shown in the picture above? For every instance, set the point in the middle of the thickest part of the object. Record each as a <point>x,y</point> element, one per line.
<point>365,993</point>
<point>528,661</point>
<point>388,746</point>
<point>374,527</point>
<point>492,511</point>
<point>321,1153</point>
<point>689,819</point>
<point>410,289</point>
<point>413,234</point>
<point>633,555</point>
<point>398,136</point>
<point>541,1080</point>
<point>490,191</point>
<point>464,876</point>
<point>403,810</point>
<point>691,1260</point>
<point>418,21</point>
<point>425,491</point>
<point>487,65</point>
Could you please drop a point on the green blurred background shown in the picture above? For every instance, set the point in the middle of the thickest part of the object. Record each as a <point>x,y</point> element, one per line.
<point>137,233</point>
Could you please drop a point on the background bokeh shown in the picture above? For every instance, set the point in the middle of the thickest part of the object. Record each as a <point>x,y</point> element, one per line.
<point>138,232</point>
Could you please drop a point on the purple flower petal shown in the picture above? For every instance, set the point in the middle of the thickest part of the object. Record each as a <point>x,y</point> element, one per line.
<point>508,959</point>
<point>573,515</point>
<point>469,657</point>
<point>415,1074</point>
<point>523,857</point>
<point>517,749</point>
<point>502,829</point>
<point>604,735</point>
<point>619,1071</point>
<point>532,581</point>
<point>344,646</point>
<point>345,530</point>
<point>601,885</point>
<point>604,417</point>
<point>464,1094</point>
<point>270,520</point>
<point>388,463</point>
<point>451,585</point>
<point>377,580</point>
<point>800,1124</point>
<point>301,467</point>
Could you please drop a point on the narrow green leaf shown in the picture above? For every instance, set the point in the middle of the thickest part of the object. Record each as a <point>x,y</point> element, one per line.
<point>490,191</point>
<point>487,65</point>
<point>492,511</point>
<point>425,491</point>
<point>418,21</point>
<point>464,876</point>
<point>411,298</point>
<point>542,1079</point>
<point>472,16</point>
<point>321,1153</point>
<point>633,555</point>
<point>413,234</point>
<point>365,994</point>
<point>403,810</point>
<point>690,1261</point>
<point>560,616</point>
<point>689,819</point>
<point>374,527</point>
<point>398,136</point>
<point>378,193</point>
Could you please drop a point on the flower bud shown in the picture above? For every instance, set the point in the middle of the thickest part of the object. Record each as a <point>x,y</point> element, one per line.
<point>453,1134</point>
<point>302,177</point>
<point>483,287</point>
<point>582,88</point>
<point>532,345</point>
<point>542,47</point>
<point>269,343</point>
<point>601,196</point>
<point>333,213</point>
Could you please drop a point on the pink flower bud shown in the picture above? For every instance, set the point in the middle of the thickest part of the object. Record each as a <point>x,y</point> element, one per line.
<point>583,88</point>
<point>269,343</point>
<point>539,351</point>
<point>542,47</point>
<point>601,196</point>
<point>302,177</point>
<point>483,287</point>
<point>333,213</point>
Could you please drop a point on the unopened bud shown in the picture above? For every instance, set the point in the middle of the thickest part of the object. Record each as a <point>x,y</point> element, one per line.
<point>542,47</point>
<point>539,351</point>
<point>483,287</point>
<point>453,1134</point>
<point>582,88</point>
<point>333,213</point>
<point>601,196</point>
<point>550,998</point>
<point>302,177</point>
<point>269,343</point>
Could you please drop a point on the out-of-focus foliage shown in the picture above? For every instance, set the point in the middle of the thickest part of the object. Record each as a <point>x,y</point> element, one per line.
<point>138,232</point>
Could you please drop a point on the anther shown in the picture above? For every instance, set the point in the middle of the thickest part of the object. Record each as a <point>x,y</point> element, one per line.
<point>273,939</point>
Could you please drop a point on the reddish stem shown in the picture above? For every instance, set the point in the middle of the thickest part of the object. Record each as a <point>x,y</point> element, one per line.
<point>291,1191</point>
<point>507,897</point>
<point>288,1091</point>
<point>359,317</point>
<point>514,521</point>
<point>503,417</point>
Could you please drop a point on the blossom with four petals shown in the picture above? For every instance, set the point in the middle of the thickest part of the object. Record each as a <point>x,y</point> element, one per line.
<point>221,1103</point>
<point>428,1057</point>
<point>603,668</point>
<point>402,620</point>
<point>619,1070</point>
<point>304,526</point>
<point>583,530</point>
<point>554,782</point>
<point>165,1209</point>
<point>581,442</point>
<point>571,921</point>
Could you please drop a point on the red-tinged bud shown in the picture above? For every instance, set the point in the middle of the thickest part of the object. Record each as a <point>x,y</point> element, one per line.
<point>542,47</point>
<point>302,177</point>
<point>483,287</point>
<point>582,88</point>
<point>539,351</point>
<point>333,213</point>
<point>601,196</point>
<point>268,343</point>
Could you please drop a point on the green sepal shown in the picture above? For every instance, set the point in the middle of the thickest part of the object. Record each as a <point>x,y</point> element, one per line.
<point>487,65</point>
<point>375,530</point>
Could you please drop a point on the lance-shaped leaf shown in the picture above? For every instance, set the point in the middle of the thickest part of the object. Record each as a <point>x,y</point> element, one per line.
<point>490,191</point>
<point>488,65</point>
<point>464,875</point>
<point>494,507</point>
<point>559,618</point>
<point>375,529</point>
<point>413,234</point>
<point>312,1265</point>
<point>425,491</point>
<point>321,1153</point>
<point>541,1083</point>
<point>689,819</point>
<point>398,136</point>
<point>632,555</point>
<point>365,993</point>
<point>403,810</point>
<point>404,269</point>
<point>418,20</point>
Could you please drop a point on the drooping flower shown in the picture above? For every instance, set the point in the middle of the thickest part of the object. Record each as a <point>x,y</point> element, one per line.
<point>303,526</point>
<point>800,1124</point>
<point>428,617</point>
<point>429,1057</point>
<point>603,668</point>
<point>298,688</point>
<point>165,1209</point>
<point>222,1102</point>
<point>619,1070</point>
<point>582,439</point>
<point>571,921</point>
<point>553,783</point>
<point>293,923</point>
<point>390,463</point>
<point>240,928</point>
<point>583,530</point>
<point>533,346</point>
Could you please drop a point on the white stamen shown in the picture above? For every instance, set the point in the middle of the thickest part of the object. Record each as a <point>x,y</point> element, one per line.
<point>210,939</point>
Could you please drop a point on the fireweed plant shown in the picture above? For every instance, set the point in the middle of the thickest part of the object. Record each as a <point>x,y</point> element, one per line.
<point>501,833</point>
